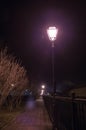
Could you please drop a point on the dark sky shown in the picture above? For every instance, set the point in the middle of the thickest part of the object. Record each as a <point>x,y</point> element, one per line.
<point>23,27</point>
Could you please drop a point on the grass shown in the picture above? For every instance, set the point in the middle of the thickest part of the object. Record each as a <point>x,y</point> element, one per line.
<point>6,117</point>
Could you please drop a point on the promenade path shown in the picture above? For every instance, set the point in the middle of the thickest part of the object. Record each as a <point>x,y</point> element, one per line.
<point>34,117</point>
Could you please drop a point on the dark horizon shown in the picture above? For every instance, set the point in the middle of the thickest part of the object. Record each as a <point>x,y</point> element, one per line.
<point>23,29</point>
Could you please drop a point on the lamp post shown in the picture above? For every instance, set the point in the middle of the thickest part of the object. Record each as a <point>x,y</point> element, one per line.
<point>52,33</point>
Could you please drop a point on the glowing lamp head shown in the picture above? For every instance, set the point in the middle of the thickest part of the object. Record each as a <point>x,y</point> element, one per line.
<point>52,33</point>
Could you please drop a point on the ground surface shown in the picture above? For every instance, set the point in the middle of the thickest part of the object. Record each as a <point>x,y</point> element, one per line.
<point>34,117</point>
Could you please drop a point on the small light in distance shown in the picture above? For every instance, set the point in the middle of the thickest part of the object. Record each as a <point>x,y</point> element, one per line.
<point>43,86</point>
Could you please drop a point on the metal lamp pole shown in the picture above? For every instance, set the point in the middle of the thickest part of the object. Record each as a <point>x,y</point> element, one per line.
<point>53,78</point>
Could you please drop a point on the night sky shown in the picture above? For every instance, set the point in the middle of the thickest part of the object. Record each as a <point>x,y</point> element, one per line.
<point>23,27</point>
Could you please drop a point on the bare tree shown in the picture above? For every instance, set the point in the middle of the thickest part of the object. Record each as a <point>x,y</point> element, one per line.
<point>13,77</point>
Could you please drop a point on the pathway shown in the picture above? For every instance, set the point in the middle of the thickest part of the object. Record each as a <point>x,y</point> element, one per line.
<point>35,117</point>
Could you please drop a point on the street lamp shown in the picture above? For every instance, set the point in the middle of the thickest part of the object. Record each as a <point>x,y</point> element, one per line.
<point>42,89</point>
<point>52,34</point>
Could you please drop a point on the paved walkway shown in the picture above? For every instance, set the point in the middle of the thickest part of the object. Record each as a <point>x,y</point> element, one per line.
<point>34,118</point>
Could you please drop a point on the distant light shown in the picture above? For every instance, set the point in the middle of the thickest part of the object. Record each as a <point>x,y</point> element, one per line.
<point>12,85</point>
<point>52,33</point>
<point>43,86</point>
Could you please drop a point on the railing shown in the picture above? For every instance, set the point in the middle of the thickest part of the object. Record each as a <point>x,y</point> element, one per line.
<point>67,113</point>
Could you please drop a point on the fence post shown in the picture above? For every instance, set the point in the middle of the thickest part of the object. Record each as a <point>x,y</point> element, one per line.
<point>73,112</point>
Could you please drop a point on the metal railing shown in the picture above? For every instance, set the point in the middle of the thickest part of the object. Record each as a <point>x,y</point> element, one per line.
<point>68,113</point>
